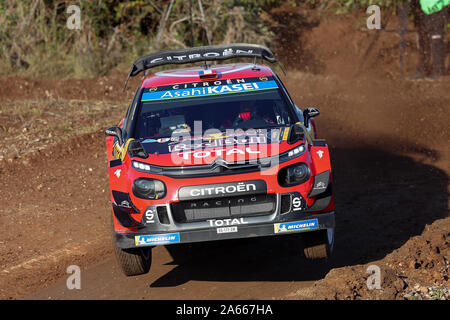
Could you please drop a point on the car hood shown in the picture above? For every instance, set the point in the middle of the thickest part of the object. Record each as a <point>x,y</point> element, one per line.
<point>201,150</point>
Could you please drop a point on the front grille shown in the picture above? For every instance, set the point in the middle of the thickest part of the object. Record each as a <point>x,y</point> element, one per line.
<point>223,208</point>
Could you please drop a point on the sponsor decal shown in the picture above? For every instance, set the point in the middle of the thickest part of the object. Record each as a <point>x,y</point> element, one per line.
<point>217,153</point>
<point>275,135</point>
<point>296,226</point>
<point>205,55</point>
<point>150,215</point>
<point>285,134</point>
<point>214,143</point>
<point>196,85</point>
<point>117,172</point>
<point>296,204</point>
<point>226,222</point>
<point>125,204</point>
<point>218,135</point>
<point>202,89</point>
<point>240,187</point>
<point>222,190</point>
<point>320,185</point>
<point>160,140</point>
<point>122,200</point>
<point>235,201</point>
<point>188,148</point>
<point>157,239</point>
<point>227,229</point>
<point>320,153</point>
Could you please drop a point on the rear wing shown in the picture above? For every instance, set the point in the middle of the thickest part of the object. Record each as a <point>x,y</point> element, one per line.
<point>196,54</point>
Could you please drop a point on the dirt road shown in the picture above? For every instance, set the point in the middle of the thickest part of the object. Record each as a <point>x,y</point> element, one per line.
<point>391,182</point>
<point>233,270</point>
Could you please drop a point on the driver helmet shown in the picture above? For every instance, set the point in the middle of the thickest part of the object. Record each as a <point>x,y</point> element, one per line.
<point>247,110</point>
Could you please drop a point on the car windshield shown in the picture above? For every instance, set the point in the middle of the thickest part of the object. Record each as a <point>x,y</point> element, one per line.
<point>256,109</point>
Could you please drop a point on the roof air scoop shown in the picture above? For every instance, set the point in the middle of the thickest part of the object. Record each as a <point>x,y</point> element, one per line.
<point>208,74</point>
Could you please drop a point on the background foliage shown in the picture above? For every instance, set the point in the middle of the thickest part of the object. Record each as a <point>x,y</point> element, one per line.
<point>35,41</point>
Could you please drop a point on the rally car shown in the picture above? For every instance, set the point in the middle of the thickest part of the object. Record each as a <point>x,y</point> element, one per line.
<point>215,152</point>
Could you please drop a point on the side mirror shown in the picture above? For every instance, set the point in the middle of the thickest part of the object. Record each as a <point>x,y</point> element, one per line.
<point>115,132</point>
<point>309,113</point>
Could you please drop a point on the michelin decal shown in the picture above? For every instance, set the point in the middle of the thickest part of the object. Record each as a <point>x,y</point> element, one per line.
<point>296,226</point>
<point>157,239</point>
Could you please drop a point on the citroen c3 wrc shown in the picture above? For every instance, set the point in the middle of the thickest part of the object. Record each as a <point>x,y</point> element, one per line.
<point>216,152</point>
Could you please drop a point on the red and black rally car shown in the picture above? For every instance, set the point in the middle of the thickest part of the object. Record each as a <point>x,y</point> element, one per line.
<point>216,152</point>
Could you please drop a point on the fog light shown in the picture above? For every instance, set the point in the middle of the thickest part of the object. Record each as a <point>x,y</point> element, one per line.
<point>298,173</point>
<point>148,188</point>
<point>294,174</point>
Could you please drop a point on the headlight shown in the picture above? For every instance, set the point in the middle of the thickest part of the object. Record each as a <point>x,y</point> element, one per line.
<point>145,188</point>
<point>294,174</point>
<point>296,151</point>
<point>293,153</point>
<point>141,166</point>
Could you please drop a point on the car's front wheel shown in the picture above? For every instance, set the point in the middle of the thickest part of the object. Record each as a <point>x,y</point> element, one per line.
<point>134,261</point>
<point>318,244</point>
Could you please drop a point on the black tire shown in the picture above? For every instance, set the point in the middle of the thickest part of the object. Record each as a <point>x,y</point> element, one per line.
<point>318,244</point>
<point>134,261</point>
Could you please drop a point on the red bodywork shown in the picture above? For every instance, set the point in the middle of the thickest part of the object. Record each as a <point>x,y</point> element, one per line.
<point>123,181</point>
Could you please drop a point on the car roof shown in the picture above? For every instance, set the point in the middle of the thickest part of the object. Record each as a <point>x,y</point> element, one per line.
<point>224,71</point>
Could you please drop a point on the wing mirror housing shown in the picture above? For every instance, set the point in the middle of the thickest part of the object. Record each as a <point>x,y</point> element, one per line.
<point>116,132</point>
<point>297,133</point>
<point>309,113</point>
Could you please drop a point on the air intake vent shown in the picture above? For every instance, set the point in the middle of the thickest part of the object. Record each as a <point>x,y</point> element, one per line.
<point>135,149</point>
<point>285,203</point>
<point>162,215</point>
<point>208,74</point>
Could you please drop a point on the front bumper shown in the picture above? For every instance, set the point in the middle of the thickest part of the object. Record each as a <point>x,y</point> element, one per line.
<point>275,223</point>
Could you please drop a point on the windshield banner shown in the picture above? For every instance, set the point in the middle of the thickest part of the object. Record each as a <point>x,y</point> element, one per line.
<point>202,89</point>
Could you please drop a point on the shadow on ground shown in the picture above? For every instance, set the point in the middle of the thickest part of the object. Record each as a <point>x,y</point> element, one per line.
<point>382,200</point>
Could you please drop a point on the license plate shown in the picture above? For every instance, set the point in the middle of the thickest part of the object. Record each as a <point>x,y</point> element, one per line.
<point>227,229</point>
